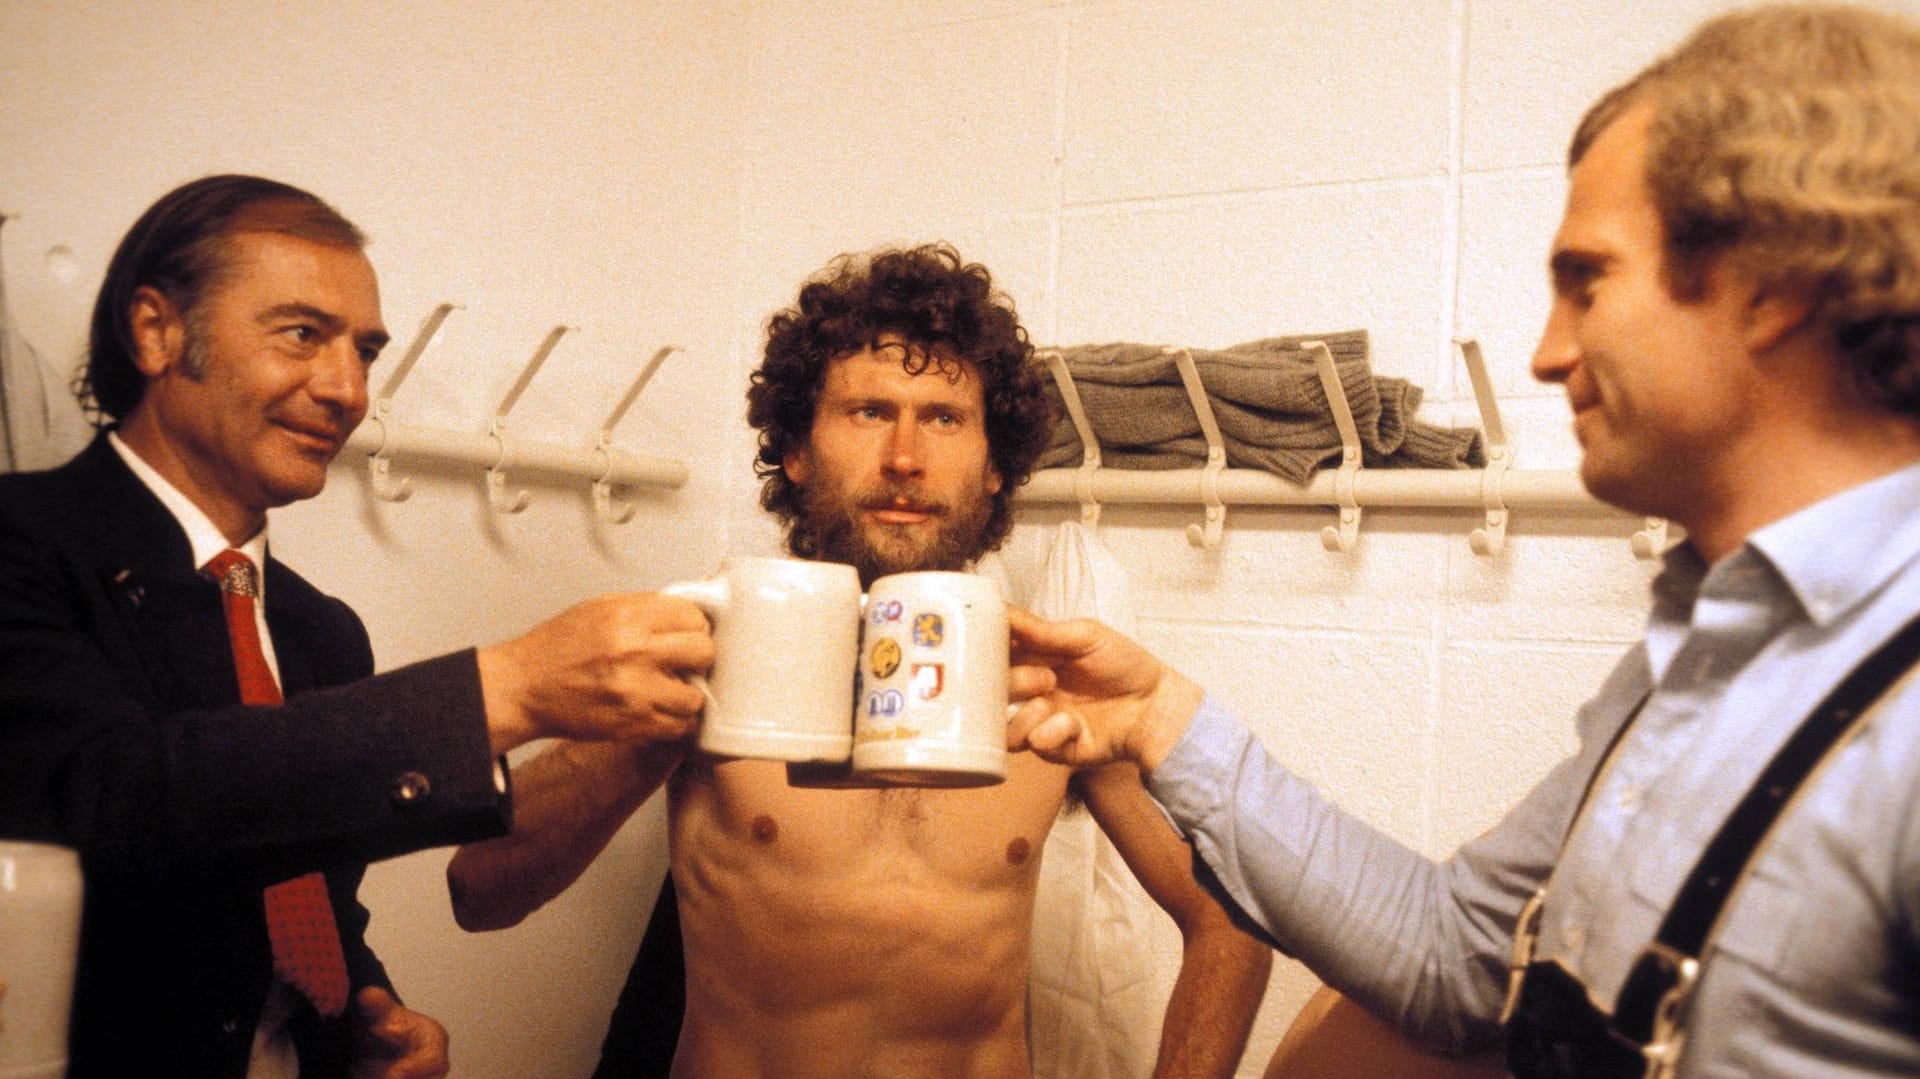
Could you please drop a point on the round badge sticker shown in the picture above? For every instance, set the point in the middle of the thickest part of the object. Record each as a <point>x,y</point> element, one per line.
<point>885,657</point>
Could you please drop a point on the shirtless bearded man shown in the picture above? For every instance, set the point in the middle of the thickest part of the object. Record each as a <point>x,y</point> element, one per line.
<point>842,932</point>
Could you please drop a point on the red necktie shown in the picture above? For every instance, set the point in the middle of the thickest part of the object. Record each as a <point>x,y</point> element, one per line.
<point>300,926</point>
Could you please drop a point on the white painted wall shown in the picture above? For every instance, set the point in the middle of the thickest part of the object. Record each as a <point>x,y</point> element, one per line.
<point>1199,172</point>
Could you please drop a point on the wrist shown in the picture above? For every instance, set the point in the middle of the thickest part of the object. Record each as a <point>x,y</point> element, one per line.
<point>1169,709</point>
<point>508,724</point>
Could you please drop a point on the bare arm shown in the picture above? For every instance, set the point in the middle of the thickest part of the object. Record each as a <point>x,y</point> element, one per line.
<point>568,803</point>
<point>1223,970</point>
<point>1332,1035</point>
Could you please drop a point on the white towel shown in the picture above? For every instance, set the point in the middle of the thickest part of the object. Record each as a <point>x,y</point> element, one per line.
<point>1104,955</point>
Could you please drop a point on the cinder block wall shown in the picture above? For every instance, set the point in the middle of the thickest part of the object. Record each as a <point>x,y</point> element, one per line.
<point>1203,173</point>
<point>1197,172</point>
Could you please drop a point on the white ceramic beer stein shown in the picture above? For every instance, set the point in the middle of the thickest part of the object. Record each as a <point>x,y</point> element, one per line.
<point>785,634</point>
<point>932,686</point>
<point>40,892</point>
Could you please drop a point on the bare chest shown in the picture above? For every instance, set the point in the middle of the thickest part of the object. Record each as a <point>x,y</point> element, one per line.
<point>741,814</point>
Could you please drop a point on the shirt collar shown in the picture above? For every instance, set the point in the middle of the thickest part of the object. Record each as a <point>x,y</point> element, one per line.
<point>1830,557</point>
<point>203,536</point>
<point>1835,554</point>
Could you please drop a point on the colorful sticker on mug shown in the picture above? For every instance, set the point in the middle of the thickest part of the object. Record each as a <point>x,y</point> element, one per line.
<point>885,657</point>
<point>927,681</point>
<point>928,630</point>
<point>885,703</point>
<point>889,611</point>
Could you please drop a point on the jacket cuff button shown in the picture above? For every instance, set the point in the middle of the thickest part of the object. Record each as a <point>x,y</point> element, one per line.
<point>410,789</point>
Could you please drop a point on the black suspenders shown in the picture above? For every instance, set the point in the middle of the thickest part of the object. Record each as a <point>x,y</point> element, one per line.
<point>1722,865</point>
<point>1555,1030</point>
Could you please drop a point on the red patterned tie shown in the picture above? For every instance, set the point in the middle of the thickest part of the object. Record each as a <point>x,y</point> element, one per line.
<point>306,943</point>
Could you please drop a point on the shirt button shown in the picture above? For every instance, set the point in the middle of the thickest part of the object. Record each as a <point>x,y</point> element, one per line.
<point>1628,797</point>
<point>410,789</point>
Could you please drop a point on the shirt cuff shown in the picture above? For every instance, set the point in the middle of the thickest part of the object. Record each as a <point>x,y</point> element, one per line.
<point>1192,783</point>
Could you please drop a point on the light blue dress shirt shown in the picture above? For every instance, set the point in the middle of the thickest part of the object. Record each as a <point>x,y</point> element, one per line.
<point>1814,970</point>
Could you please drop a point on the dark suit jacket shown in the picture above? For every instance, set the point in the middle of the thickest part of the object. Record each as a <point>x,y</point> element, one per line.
<point>121,736</point>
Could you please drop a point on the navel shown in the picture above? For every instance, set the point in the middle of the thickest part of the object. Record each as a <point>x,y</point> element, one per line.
<point>1018,849</point>
<point>764,829</point>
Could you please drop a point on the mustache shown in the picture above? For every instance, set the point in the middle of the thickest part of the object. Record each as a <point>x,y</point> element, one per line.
<point>830,526</point>
<point>890,497</point>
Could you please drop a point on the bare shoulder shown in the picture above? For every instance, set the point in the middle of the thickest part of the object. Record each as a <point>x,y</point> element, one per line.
<point>1031,795</point>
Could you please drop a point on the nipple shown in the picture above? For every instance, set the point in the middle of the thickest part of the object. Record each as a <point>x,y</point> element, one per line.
<point>1018,850</point>
<point>765,830</point>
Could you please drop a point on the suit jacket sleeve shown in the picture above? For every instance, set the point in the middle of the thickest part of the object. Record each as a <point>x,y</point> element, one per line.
<point>117,735</point>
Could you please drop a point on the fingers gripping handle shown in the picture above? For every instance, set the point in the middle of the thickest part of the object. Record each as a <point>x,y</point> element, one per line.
<point>711,596</point>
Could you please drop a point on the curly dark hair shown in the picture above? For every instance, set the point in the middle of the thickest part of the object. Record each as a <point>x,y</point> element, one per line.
<point>947,310</point>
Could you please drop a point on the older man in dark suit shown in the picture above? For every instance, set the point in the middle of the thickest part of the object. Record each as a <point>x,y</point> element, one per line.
<point>210,737</point>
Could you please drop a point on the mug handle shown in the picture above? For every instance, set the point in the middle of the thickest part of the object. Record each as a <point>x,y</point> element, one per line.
<point>711,596</point>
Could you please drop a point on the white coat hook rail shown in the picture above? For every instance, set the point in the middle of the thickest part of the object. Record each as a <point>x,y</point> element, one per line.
<point>1491,538</point>
<point>1089,442</point>
<point>1207,534</point>
<point>610,510</point>
<point>1340,538</point>
<point>497,493</point>
<point>386,486</point>
<point>385,440</point>
<point>1495,492</point>
<point>1651,541</point>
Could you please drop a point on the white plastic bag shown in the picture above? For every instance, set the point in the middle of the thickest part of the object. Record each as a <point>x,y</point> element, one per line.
<point>1104,955</point>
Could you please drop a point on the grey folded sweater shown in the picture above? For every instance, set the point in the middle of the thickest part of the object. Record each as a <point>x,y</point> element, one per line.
<point>1267,398</point>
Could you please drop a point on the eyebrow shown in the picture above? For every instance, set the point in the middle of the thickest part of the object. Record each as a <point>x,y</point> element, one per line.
<point>886,402</point>
<point>1572,260</point>
<point>332,323</point>
<point>1572,268</point>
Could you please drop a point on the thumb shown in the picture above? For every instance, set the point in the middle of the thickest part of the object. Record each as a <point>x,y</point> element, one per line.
<point>378,1011</point>
<point>375,1003</point>
<point>1057,736</point>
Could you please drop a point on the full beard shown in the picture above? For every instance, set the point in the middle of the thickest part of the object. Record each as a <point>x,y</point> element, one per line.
<point>836,530</point>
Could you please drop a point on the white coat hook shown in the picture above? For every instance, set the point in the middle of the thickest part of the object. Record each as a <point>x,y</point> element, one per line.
<point>1490,539</point>
<point>613,511</point>
<point>1208,535</point>
<point>1651,542</point>
<point>386,486</point>
<point>1089,444</point>
<point>497,493</point>
<point>1348,533</point>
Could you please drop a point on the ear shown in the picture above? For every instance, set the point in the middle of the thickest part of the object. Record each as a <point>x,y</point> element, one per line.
<point>994,482</point>
<point>796,466</point>
<point>159,331</point>
<point>1774,316</point>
